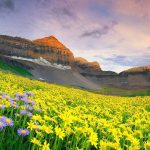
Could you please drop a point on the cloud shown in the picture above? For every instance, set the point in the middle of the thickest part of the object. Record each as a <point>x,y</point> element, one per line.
<point>115,30</point>
<point>129,60</point>
<point>63,11</point>
<point>7,4</point>
<point>98,32</point>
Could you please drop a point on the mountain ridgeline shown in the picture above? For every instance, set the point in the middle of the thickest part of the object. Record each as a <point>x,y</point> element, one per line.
<point>48,48</point>
<point>82,73</point>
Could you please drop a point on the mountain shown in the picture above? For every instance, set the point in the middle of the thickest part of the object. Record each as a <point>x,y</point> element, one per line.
<point>133,78</point>
<point>14,46</point>
<point>48,48</point>
<point>60,52</point>
<point>78,63</point>
<point>135,70</point>
<point>47,59</point>
<point>85,65</point>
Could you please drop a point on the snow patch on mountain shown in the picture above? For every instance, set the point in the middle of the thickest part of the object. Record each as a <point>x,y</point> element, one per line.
<point>43,62</point>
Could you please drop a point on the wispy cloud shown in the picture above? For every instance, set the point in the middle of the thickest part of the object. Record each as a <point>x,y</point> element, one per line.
<point>117,31</point>
<point>96,33</point>
<point>128,60</point>
<point>7,4</point>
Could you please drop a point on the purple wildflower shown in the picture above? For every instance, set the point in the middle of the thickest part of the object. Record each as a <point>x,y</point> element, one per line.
<point>2,118</point>
<point>23,112</point>
<point>4,96</point>
<point>23,132</point>
<point>7,121</point>
<point>20,96</point>
<point>2,125</point>
<point>25,100</point>
<point>33,103</point>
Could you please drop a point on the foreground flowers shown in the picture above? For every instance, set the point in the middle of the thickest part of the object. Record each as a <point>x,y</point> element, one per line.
<point>23,132</point>
<point>4,121</point>
<point>56,117</point>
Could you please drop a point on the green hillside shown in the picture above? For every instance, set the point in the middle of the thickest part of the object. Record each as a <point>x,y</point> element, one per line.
<point>14,69</point>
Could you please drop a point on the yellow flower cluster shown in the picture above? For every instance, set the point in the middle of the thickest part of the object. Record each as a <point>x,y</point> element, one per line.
<point>70,118</point>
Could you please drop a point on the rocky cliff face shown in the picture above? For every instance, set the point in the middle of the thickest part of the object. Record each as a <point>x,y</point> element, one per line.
<point>14,46</point>
<point>136,70</point>
<point>87,66</point>
<point>60,51</point>
<point>48,48</point>
<point>81,64</point>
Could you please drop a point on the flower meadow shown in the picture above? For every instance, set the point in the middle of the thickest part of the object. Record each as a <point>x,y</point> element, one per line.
<point>36,115</point>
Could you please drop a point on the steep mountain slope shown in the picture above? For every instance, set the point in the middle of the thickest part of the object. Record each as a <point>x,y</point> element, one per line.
<point>58,64</point>
<point>63,53</point>
<point>14,46</point>
<point>49,60</point>
<point>51,74</point>
<point>48,48</point>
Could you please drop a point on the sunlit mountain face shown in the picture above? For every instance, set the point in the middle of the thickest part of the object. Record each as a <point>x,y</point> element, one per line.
<point>115,33</point>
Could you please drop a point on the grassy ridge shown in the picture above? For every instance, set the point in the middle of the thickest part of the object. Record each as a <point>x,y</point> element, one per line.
<point>14,69</point>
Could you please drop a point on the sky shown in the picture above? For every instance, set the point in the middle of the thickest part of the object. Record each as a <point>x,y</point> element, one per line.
<point>116,33</point>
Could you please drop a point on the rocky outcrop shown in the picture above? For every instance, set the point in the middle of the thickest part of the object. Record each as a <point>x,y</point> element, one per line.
<point>14,46</point>
<point>61,51</point>
<point>48,48</point>
<point>136,70</point>
<point>85,65</point>
<point>87,68</point>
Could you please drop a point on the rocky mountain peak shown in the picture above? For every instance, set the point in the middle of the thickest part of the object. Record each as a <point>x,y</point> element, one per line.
<point>83,63</point>
<point>51,41</point>
<point>49,48</point>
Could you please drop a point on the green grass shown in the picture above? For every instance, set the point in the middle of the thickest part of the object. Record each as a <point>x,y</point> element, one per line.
<point>123,92</point>
<point>14,69</point>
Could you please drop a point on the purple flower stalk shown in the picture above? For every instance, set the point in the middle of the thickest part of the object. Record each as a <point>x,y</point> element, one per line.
<point>23,112</point>
<point>23,132</point>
